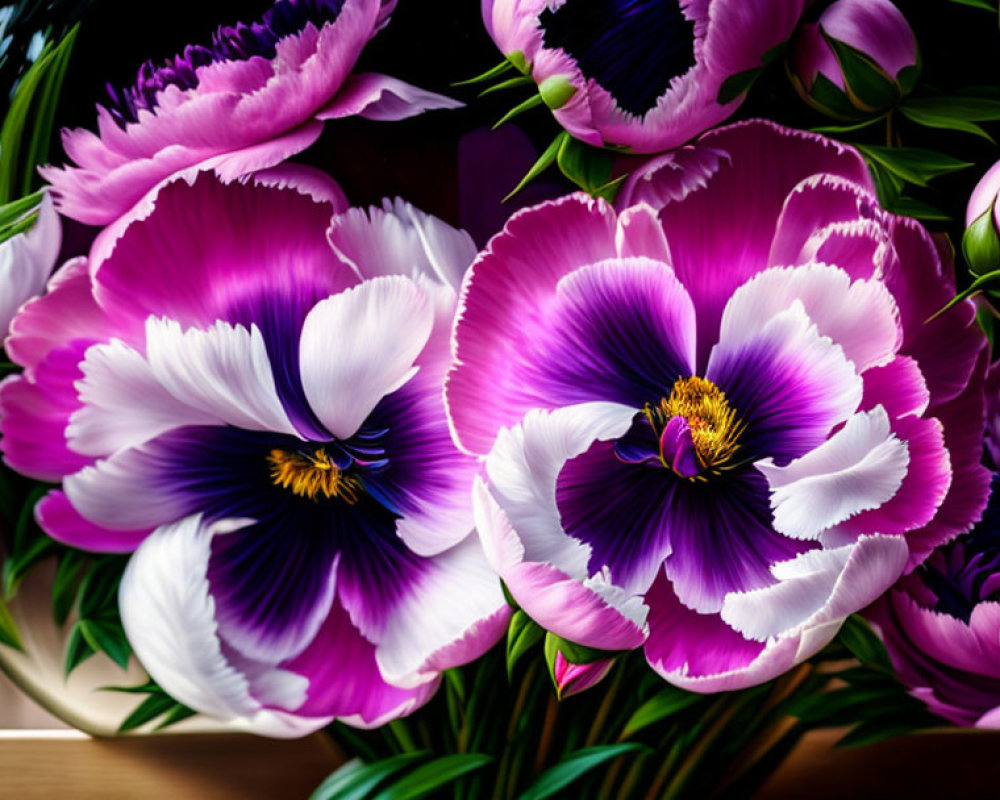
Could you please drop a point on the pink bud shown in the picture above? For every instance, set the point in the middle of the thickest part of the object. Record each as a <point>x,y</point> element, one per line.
<point>574,678</point>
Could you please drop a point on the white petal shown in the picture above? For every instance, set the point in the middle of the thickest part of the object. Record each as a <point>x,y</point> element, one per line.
<point>124,404</point>
<point>223,371</point>
<point>169,618</point>
<point>861,317</point>
<point>523,467</point>
<point>857,469</point>
<point>399,239</point>
<point>459,590</point>
<point>124,492</point>
<point>359,346</point>
<point>816,591</point>
<point>26,261</point>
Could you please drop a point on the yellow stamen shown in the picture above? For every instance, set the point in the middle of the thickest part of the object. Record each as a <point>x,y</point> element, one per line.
<point>715,429</point>
<point>311,475</point>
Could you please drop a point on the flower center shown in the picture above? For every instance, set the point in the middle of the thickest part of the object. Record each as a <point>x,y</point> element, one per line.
<point>633,48</point>
<point>311,474</point>
<point>229,43</point>
<point>698,430</point>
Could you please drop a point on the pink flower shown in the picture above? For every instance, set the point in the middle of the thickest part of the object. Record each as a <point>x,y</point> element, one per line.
<point>715,421</point>
<point>572,678</point>
<point>27,261</point>
<point>941,626</point>
<point>643,74</point>
<point>255,96</point>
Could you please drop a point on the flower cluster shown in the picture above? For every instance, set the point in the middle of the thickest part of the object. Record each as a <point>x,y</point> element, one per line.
<point>707,414</point>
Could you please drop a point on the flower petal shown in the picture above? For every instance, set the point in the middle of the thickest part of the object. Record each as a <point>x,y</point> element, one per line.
<point>857,469</point>
<point>359,346</point>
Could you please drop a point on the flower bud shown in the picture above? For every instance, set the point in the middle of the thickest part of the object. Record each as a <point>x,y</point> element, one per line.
<point>572,679</point>
<point>981,242</point>
<point>859,59</point>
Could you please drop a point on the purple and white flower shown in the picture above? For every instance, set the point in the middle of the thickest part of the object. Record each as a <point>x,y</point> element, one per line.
<point>641,74</point>
<point>941,625</point>
<point>258,415</point>
<point>27,260</point>
<point>255,96</point>
<point>715,422</point>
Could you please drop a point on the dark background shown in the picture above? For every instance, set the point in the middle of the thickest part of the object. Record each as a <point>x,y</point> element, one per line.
<point>433,43</point>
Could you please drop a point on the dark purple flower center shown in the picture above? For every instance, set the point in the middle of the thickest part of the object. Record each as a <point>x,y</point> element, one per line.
<point>229,43</point>
<point>694,432</point>
<point>966,572</point>
<point>633,48</point>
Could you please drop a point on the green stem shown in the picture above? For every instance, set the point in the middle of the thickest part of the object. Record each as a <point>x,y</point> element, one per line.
<point>605,708</point>
<point>663,773</point>
<point>403,737</point>
<point>890,130</point>
<point>691,761</point>
<point>548,728</point>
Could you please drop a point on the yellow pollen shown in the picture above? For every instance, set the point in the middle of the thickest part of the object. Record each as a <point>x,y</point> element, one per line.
<point>715,429</point>
<point>311,475</point>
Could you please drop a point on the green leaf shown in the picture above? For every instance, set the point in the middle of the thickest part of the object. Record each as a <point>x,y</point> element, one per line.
<point>985,5</point>
<point>876,730</point>
<point>833,130</point>
<point>532,102</point>
<point>831,99</point>
<point>149,709</point>
<point>588,167</point>
<point>17,209</point>
<point>78,650</point>
<point>174,715</point>
<point>977,286</point>
<point>490,74</point>
<point>665,703</point>
<point>148,687</point>
<point>355,780</point>
<point>523,633</point>
<point>847,706</point>
<point>738,84</point>
<point>868,86</point>
<point>9,635</point>
<point>909,207</point>
<point>960,113</point>
<point>512,83</point>
<point>555,779</point>
<point>544,162</point>
<point>858,637</point>
<point>98,595</point>
<point>432,776</point>
<point>67,581</point>
<point>107,636</point>
<point>913,164</point>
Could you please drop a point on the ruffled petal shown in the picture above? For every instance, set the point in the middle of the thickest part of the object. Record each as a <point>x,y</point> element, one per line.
<point>381,98</point>
<point>169,616</point>
<point>509,283</point>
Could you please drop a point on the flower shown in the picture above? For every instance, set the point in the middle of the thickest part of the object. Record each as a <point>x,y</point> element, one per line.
<point>27,260</point>
<point>255,96</point>
<point>941,625</point>
<point>715,422</point>
<point>642,74</point>
<point>859,59</point>
<point>258,416</point>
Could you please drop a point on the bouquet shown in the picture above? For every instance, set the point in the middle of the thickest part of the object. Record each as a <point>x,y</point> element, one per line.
<point>606,451</point>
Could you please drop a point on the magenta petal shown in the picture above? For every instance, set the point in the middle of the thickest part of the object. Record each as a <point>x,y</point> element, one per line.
<point>344,679</point>
<point>510,281</point>
<point>215,271</point>
<point>66,312</point>
<point>62,522</point>
<point>743,198</point>
<point>682,640</point>
<point>34,414</point>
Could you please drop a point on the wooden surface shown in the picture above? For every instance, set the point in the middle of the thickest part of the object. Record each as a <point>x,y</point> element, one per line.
<point>942,766</point>
<point>178,767</point>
